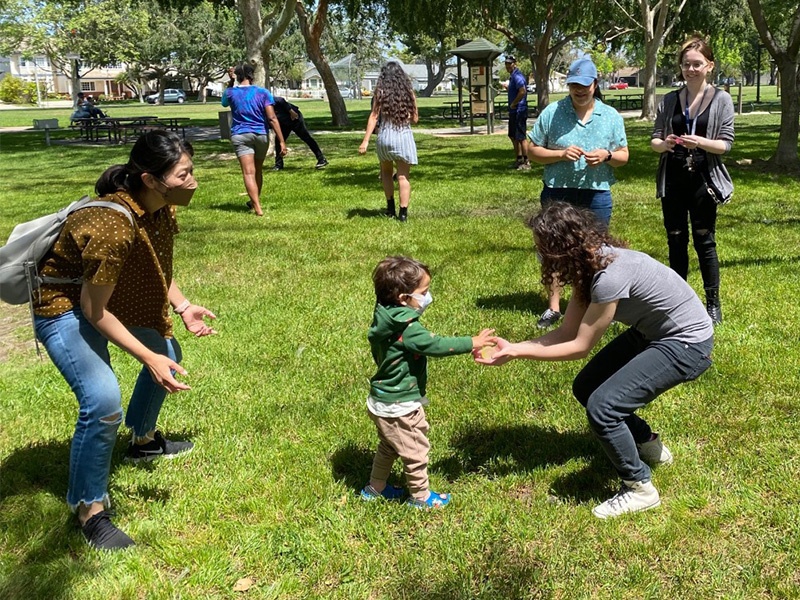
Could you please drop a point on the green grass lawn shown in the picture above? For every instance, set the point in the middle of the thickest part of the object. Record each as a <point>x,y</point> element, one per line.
<point>276,410</point>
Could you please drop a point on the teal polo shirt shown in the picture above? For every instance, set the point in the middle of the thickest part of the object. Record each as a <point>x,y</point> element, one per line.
<point>558,127</point>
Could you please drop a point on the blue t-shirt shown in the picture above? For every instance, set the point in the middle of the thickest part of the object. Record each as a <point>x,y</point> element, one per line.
<point>515,82</point>
<point>248,104</point>
<point>558,127</point>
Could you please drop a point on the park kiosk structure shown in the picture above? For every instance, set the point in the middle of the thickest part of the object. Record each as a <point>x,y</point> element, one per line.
<point>480,55</point>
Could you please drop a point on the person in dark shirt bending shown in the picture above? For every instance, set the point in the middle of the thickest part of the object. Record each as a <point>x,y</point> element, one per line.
<point>291,120</point>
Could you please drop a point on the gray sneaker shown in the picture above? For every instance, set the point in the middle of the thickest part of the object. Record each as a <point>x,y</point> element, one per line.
<point>548,318</point>
<point>654,452</point>
<point>633,496</point>
<point>524,166</point>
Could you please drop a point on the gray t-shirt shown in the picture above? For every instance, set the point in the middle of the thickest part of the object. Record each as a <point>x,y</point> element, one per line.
<point>653,298</point>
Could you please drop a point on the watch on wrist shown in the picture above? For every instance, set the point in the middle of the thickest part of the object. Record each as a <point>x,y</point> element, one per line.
<point>608,158</point>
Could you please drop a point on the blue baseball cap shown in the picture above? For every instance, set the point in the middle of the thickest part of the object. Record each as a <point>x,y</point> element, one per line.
<point>582,72</point>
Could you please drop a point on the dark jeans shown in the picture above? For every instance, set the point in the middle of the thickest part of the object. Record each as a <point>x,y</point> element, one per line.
<point>299,127</point>
<point>623,377</point>
<point>598,201</point>
<point>686,198</point>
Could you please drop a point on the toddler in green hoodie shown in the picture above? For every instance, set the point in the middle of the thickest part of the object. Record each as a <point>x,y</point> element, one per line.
<point>400,347</point>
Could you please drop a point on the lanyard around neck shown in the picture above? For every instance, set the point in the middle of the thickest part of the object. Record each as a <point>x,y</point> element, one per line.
<point>691,124</point>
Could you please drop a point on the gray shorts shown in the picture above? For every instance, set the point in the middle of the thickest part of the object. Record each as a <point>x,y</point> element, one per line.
<point>251,143</point>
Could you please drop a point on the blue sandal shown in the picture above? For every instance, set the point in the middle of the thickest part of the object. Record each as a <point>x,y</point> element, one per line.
<point>434,501</point>
<point>390,492</point>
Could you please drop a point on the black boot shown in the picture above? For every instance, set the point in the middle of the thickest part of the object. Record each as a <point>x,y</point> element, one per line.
<point>713,305</point>
<point>403,214</point>
<point>390,212</point>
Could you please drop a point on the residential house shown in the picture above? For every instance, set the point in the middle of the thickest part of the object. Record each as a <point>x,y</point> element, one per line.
<point>99,81</point>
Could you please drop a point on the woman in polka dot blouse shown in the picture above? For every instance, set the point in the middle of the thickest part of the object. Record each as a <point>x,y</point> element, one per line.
<point>118,287</point>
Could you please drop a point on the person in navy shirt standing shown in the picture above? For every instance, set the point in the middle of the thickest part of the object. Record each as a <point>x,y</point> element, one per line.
<point>251,109</point>
<point>518,113</point>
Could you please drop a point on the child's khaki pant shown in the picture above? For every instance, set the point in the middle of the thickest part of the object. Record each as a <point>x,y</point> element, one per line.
<point>405,437</point>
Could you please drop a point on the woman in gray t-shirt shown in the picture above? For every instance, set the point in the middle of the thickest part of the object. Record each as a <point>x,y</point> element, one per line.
<point>669,341</point>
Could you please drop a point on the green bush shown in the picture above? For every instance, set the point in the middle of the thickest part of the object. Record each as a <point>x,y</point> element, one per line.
<point>11,89</point>
<point>17,91</point>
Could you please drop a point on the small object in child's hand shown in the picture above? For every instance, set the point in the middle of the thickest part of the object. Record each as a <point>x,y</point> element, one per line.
<point>679,141</point>
<point>487,352</point>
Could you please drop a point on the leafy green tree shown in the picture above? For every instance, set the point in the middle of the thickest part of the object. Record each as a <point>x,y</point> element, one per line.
<point>99,32</point>
<point>429,30</point>
<point>209,40</point>
<point>543,28</point>
<point>288,57</point>
<point>654,20</point>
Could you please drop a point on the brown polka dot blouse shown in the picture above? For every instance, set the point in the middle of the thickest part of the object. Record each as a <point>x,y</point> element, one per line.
<point>100,245</point>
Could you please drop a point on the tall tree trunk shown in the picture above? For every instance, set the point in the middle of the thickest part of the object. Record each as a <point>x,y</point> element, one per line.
<point>259,40</point>
<point>786,59</point>
<point>541,75</point>
<point>75,78</point>
<point>434,79</point>
<point>312,34</point>
<point>786,154</point>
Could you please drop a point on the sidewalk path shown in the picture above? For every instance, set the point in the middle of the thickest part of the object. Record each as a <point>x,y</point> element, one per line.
<point>211,133</point>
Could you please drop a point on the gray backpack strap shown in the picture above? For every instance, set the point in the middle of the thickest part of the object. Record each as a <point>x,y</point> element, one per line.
<point>99,204</point>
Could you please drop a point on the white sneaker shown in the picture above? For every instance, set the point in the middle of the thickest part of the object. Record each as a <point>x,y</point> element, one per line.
<point>654,452</point>
<point>633,496</point>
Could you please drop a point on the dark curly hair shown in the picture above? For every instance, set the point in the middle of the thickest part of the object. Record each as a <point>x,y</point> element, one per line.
<point>568,239</point>
<point>395,276</point>
<point>394,96</point>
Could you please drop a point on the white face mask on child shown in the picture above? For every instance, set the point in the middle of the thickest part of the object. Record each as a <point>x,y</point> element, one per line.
<point>423,301</point>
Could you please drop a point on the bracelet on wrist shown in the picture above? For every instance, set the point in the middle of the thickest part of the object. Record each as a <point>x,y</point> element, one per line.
<point>181,308</point>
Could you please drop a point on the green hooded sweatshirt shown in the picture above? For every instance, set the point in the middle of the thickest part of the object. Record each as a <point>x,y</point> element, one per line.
<point>400,345</point>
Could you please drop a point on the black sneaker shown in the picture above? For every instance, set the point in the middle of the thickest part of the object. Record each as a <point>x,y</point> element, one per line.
<point>102,534</point>
<point>157,448</point>
<point>277,168</point>
<point>321,164</point>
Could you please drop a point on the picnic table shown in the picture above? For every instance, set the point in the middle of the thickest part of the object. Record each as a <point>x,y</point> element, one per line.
<point>121,129</point>
<point>624,101</point>
<point>450,110</point>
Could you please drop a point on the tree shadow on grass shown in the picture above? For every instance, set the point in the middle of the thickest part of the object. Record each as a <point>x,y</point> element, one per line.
<point>50,553</point>
<point>499,451</point>
<point>39,569</point>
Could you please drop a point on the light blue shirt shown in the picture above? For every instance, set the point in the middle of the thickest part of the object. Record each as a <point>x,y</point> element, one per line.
<point>558,127</point>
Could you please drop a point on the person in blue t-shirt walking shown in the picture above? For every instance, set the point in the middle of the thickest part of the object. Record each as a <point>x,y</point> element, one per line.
<point>518,113</point>
<point>251,108</point>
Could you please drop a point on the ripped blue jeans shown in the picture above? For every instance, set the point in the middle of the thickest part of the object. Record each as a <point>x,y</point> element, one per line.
<point>80,353</point>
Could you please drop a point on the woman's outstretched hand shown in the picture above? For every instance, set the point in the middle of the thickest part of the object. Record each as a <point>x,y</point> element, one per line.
<point>193,320</point>
<point>496,355</point>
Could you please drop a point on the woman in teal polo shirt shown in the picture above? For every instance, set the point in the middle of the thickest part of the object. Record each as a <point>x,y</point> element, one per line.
<point>578,140</point>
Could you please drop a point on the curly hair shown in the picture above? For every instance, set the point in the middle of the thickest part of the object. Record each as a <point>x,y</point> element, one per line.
<point>568,239</point>
<point>395,276</point>
<point>394,96</point>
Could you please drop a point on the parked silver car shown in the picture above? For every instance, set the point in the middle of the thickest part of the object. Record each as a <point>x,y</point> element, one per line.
<point>170,95</point>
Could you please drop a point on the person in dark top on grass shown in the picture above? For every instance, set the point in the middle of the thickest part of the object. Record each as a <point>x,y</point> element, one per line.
<point>291,120</point>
